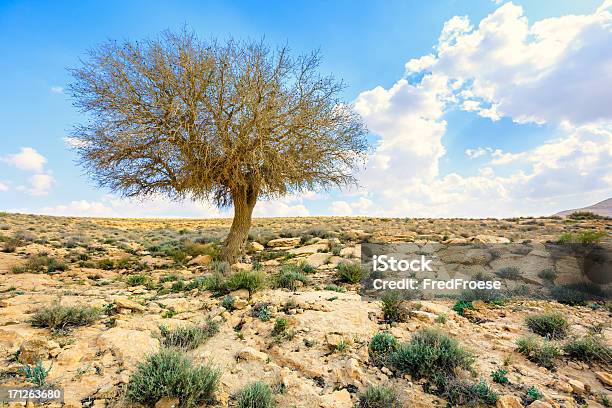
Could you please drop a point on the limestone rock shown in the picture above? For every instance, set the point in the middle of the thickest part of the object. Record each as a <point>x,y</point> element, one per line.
<point>579,387</point>
<point>284,242</point>
<point>125,303</point>
<point>256,246</point>
<point>337,399</point>
<point>200,260</point>
<point>509,401</point>
<point>241,266</point>
<point>317,259</point>
<point>129,346</point>
<point>250,354</point>
<point>33,350</point>
<point>604,377</point>
<point>309,249</point>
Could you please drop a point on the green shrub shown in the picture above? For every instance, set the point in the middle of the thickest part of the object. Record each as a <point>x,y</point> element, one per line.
<point>548,275</point>
<point>500,376</point>
<point>583,237</point>
<point>393,306</point>
<point>350,272</point>
<point>188,337</point>
<point>216,284</point>
<point>541,352</point>
<point>430,353</point>
<point>575,294</point>
<point>509,272</point>
<point>586,215</point>
<point>228,302</point>
<point>551,325</point>
<point>61,318</point>
<point>381,346</point>
<point>334,288</point>
<point>136,280</point>
<point>36,374</point>
<point>461,305</point>
<point>106,264</point>
<point>466,393</point>
<point>280,326</point>
<point>378,397</point>
<point>170,373</point>
<point>177,286</point>
<point>249,280</point>
<point>41,264</point>
<point>261,311</point>
<point>255,395</point>
<point>288,275</point>
<point>533,394</point>
<point>589,348</point>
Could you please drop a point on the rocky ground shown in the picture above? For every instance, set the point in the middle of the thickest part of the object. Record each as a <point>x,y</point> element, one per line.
<point>143,274</point>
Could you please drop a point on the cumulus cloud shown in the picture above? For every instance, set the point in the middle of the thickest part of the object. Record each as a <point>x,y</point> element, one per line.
<point>341,208</point>
<point>555,71</point>
<point>27,159</point>
<point>57,89</point>
<point>40,185</point>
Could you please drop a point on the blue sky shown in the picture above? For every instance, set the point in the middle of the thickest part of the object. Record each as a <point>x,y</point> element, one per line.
<point>492,51</point>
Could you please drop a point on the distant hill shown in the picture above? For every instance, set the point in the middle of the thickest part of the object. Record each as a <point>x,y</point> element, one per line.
<point>603,208</point>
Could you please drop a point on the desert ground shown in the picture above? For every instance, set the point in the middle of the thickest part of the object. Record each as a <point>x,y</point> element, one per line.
<point>293,320</point>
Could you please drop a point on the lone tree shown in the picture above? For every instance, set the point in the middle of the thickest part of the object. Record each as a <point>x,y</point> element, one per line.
<point>227,122</point>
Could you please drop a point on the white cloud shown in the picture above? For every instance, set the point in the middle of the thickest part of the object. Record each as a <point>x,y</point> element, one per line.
<point>341,208</point>
<point>556,71</point>
<point>3,186</point>
<point>478,152</point>
<point>57,89</point>
<point>40,184</point>
<point>27,159</point>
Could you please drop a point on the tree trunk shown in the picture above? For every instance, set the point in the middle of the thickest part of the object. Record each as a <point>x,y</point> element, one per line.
<point>244,202</point>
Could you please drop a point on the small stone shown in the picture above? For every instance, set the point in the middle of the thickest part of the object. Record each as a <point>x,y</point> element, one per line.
<point>509,401</point>
<point>124,303</point>
<point>579,387</point>
<point>240,303</point>
<point>200,260</point>
<point>250,354</point>
<point>33,350</point>
<point>604,377</point>
<point>167,402</point>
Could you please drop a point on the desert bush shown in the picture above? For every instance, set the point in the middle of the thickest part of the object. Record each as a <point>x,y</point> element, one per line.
<point>464,393</point>
<point>249,280</point>
<point>381,346</point>
<point>217,284</point>
<point>106,264</point>
<point>255,395</point>
<point>500,376</point>
<point>551,325</point>
<point>462,305</point>
<point>228,302</point>
<point>393,306</point>
<point>378,396</point>
<point>586,215</point>
<point>509,272</point>
<point>41,263</point>
<point>188,337</point>
<point>287,277</point>
<point>589,348</point>
<point>583,237</point>
<point>541,352</point>
<point>431,353</point>
<point>350,272</point>
<point>334,288</point>
<point>575,294</point>
<point>136,280</point>
<point>170,373</point>
<point>548,275</point>
<point>261,311</point>
<point>532,394</point>
<point>36,374</point>
<point>61,318</point>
